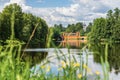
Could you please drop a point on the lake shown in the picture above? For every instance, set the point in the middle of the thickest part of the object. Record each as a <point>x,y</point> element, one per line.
<point>90,55</point>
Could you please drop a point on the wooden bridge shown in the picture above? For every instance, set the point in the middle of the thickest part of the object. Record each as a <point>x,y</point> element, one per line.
<point>73,39</point>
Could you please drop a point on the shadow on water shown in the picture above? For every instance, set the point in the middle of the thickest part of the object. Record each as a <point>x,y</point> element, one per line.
<point>34,57</point>
<point>31,55</point>
<point>113,55</point>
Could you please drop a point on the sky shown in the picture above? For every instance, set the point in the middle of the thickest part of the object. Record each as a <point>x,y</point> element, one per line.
<point>65,11</point>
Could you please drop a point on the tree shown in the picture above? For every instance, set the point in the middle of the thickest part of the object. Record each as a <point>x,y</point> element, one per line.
<point>70,28</point>
<point>116,27</point>
<point>6,21</point>
<point>41,29</point>
<point>57,32</point>
<point>98,29</point>
<point>25,26</point>
<point>110,24</point>
<point>88,29</point>
<point>78,27</point>
<point>107,28</point>
<point>113,25</point>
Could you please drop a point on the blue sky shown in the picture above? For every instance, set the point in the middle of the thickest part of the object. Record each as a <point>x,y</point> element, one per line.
<point>48,3</point>
<point>65,11</point>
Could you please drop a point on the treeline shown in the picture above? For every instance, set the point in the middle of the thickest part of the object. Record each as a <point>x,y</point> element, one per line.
<point>106,29</point>
<point>24,25</point>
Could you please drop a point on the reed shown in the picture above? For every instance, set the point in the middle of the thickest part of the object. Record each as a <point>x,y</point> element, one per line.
<point>13,68</point>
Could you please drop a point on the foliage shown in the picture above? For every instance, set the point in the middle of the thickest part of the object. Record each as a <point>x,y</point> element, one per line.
<point>98,29</point>
<point>106,28</point>
<point>78,27</point>
<point>88,29</point>
<point>24,24</point>
<point>57,32</point>
<point>5,27</point>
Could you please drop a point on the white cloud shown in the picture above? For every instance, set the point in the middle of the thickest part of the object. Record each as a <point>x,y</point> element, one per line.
<point>79,10</point>
<point>111,3</point>
<point>68,11</point>
<point>20,2</point>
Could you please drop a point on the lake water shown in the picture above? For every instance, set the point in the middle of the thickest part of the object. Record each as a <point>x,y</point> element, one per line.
<point>92,53</point>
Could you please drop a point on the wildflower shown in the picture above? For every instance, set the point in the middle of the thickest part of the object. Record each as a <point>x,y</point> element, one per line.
<point>76,64</point>
<point>97,72</point>
<point>43,66</point>
<point>89,71</point>
<point>85,66</point>
<point>63,64</point>
<point>48,69</point>
<point>79,76</point>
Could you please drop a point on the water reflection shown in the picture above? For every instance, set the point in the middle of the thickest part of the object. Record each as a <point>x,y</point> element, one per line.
<point>73,44</point>
<point>38,55</point>
<point>34,57</point>
<point>113,55</point>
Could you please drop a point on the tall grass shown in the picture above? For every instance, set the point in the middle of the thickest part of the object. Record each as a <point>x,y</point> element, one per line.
<point>13,68</point>
<point>105,64</point>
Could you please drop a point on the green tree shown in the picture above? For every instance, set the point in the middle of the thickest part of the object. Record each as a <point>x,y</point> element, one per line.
<point>70,28</point>
<point>6,21</point>
<point>98,29</point>
<point>57,32</point>
<point>110,24</point>
<point>88,29</point>
<point>113,22</point>
<point>107,28</point>
<point>116,28</point>
<point>78,27</point>
<point>33,23</point>
<point>26,27</point>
